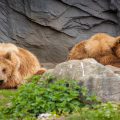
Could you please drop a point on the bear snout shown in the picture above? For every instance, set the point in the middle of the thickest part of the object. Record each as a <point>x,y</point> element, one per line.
<point>1,82</point>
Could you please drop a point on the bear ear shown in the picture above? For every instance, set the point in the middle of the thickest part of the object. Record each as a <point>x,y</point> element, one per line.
<point>11,56</point>
<point>118,39</point>
<point>8,56</point>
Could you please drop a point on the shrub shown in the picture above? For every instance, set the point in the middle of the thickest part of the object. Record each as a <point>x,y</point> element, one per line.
<point>50,95</point>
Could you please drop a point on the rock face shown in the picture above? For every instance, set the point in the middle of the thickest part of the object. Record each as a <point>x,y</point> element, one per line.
<point>50,28</point>
<point>97,78</point>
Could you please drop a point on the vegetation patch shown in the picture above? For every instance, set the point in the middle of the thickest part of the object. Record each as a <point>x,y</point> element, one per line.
<point>104,111</point>
<point>60,97</point>
<point>5,100</point>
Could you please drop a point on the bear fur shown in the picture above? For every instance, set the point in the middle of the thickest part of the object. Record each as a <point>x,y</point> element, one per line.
<point>16,64</point>
<point>102,47</point>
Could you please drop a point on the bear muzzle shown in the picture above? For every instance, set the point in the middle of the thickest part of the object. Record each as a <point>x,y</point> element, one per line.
<point>1,82</point>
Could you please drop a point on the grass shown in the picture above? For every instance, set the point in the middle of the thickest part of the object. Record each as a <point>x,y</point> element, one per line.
<point>105,111</point>
<point>5,101</point>
<point>5,98</point>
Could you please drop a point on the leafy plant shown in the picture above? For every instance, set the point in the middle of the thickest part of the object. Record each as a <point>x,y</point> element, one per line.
<point>49,95</point>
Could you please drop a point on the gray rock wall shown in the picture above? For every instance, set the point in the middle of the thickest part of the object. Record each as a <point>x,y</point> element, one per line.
<point>49,28</point>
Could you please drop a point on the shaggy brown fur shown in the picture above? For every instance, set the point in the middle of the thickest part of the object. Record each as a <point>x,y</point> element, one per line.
<point>16,64</point>
<point>102,47</point>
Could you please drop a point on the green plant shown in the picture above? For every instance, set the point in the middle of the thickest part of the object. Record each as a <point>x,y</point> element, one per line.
<point>49,95</point>
<point>104,111</point>
<point>5,101</point>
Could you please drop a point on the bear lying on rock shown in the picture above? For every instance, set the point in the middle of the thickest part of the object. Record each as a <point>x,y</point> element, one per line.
<point>102,47</point>
<point>16,64</point>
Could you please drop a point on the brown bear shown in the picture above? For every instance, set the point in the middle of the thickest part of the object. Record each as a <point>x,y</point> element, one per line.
<point>16,64</point>
<point>102,47</point>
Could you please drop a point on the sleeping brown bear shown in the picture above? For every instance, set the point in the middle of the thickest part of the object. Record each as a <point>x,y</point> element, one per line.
<point>102,47</point>
<point>16,64</point>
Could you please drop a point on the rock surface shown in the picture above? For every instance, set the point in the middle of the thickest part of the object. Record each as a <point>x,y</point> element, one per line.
<point>50,28</point>
<point>47,116</point>
<point>97,78</point>
<point>114,69</point>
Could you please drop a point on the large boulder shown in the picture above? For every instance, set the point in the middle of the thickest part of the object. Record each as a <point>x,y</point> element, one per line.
<point>99,79</point>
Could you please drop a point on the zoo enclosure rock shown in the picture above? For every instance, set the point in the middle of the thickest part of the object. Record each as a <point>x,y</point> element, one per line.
<point>49,28</point>
<point>96,77</point>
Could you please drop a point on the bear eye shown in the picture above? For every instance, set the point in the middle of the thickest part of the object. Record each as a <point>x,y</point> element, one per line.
<point>4,70</point>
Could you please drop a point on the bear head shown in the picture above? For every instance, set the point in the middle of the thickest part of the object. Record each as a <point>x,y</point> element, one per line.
<point>9,63</point>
